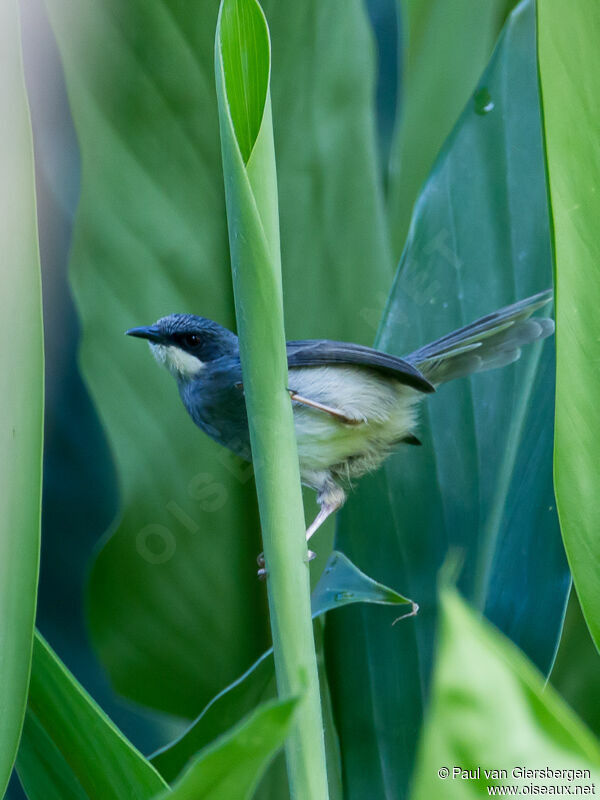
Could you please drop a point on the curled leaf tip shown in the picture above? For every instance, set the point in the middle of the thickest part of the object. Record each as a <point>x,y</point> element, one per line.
<point>412,613</point>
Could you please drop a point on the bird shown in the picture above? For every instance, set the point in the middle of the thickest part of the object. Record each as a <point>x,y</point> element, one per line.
<point>353,406</point>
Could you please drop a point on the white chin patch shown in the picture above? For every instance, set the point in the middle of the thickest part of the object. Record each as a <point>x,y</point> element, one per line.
<point>177,361</point>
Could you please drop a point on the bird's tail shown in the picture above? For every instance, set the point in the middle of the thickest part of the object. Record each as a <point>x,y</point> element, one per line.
<point>487,343</point>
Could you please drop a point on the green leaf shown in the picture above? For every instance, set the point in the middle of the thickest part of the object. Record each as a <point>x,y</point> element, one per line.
<point>42,769</point>
<point>482,482</point>
<point>569,68</point>
<point>444,50</point>
<point>223,711</point>
<point>341,584</point>
<point>151,239</point>
<point>576,671</point>
<point>21,393</point>
<point>491,709</point>
<point>70,747</point>
<point>245,54</point>
<point>232,766</point>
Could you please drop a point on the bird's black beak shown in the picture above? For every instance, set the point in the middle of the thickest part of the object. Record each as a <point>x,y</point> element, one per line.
<point>151,333</point>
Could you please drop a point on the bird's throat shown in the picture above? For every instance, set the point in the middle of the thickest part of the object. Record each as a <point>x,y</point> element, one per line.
<point>182,365</point>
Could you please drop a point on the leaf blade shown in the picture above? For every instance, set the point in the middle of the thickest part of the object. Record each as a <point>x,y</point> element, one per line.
<point>102,762</point>
<point>484,690</point>
<point>460,37</point>
<point>21,395</point>
<point>232,766</point>
<point>574,170</point>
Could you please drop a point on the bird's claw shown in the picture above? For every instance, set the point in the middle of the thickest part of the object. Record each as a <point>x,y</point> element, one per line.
<point>262,572</point>
<point>260,560</point>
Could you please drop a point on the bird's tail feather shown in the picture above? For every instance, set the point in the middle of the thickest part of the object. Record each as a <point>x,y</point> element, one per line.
<point>487,343</point>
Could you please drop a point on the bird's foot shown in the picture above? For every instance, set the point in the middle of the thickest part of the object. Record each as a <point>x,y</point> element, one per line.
<point>260,560</point>
<point>262,572</point>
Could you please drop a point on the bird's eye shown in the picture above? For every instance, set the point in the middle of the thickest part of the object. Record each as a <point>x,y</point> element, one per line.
<point>191,340</point>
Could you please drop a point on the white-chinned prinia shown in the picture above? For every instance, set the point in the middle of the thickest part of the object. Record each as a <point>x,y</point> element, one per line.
<point>353,405</point>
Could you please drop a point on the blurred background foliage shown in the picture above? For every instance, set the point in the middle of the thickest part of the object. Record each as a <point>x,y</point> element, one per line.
<point>348,175</point>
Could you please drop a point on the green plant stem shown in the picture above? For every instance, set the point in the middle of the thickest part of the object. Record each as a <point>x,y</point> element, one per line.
<point>275,458</point>
<point>242,71</point>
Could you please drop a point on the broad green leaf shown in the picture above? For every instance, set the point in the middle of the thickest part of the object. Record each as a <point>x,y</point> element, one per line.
<point>151,239</point>
<point>43,771</point>
<point>232,766</point>
<point>337,268</point>
<point>341,584</point>
<point>223,711</point>
<point>70,747</point>
<point>491,709</point>
<point>21,392</point>
<point>481,484</point>
<point>569,69</point>
<point>445,47</point>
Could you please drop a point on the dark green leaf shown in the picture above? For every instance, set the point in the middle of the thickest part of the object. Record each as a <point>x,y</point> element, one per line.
<point>491,709</point>
<point>151,239</point>
<point>482,482</point>
<point>42,769</point>
<point>223,711</point>
<point>21,392</point>
<point>569,67</point>
<point>231,767</point>
<point>445,47</point>
<point>576,671</point>
<point>341,584</point>
<point>70,747</point>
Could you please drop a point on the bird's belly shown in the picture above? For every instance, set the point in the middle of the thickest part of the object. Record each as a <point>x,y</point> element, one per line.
<point>324,443</point>
<point>384,410</point>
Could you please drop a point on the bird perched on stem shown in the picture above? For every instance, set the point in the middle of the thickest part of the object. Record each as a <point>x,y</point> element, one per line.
<point>353,405</point>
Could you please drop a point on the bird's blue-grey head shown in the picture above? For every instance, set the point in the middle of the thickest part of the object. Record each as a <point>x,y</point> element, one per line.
<point>185,344</point>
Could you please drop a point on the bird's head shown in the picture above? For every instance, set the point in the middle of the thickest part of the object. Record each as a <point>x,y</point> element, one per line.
<point>185,344</point>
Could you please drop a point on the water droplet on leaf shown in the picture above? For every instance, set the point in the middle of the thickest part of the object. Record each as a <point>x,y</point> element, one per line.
<point>483,101</point>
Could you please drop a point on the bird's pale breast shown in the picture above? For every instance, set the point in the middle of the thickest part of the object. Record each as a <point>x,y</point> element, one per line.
<point>383,411</point>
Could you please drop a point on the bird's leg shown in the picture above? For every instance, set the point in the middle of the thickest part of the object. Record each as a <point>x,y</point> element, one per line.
<point>325,511</point>
<point>330,500</point>
<point>328,507</point>
<point>334,412</point>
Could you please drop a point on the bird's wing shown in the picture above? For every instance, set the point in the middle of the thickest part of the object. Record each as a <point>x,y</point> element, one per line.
<point>324,352</point>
